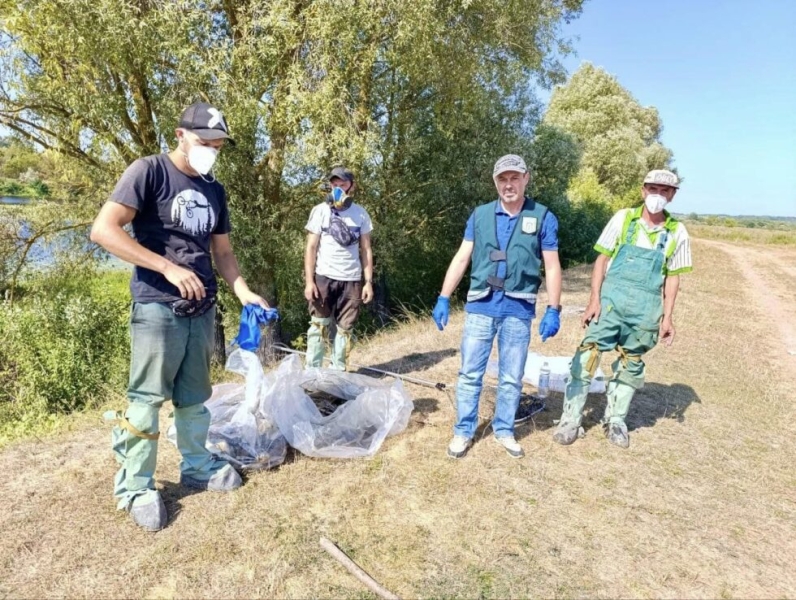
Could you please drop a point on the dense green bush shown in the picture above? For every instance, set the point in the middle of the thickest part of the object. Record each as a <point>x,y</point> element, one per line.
<point>65,344</point>
<point>11,188</point>
<point>32,189</point>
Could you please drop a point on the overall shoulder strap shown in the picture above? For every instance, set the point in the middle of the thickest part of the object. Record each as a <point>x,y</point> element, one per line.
<point>629,225</point>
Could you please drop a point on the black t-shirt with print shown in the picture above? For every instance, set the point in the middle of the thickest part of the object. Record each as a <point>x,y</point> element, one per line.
<point>176,215</point>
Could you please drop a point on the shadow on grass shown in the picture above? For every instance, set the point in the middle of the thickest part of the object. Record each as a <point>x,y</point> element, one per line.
<point>656,401</point>
<point>172,492</point>
<point>411,363</point>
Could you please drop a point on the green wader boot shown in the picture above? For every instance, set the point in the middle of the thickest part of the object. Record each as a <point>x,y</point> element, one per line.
<point>317,340</point>
<point>135,445</point>
<point>199,469</point>
<point>628,377</point>
<point>584,365</point>
<point>342,348</point>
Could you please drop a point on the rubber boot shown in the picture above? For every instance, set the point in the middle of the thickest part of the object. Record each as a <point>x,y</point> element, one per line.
<point>577,391</point>
<point>199,469</point>
<point>569,427</point>
<point>134,484</point>
<point>620,394</point>
<point>317,339</point>
<point>342,348</point>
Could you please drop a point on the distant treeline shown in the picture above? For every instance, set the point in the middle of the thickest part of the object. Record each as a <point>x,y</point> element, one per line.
<point>753,222</point>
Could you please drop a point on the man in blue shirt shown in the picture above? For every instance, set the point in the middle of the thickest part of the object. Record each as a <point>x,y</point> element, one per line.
<point>507,240</point>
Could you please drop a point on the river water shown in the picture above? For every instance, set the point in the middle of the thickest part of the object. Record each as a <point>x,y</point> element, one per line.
<point>13,200</point>
<point>43,254</point>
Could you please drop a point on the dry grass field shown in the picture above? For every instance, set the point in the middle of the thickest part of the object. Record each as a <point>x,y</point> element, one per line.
<point>702,505</point>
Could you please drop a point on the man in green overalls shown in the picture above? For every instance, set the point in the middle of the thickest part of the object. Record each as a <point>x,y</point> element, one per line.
<point>633,288</point>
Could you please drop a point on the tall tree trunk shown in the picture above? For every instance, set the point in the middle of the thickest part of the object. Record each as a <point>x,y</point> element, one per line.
<point>271,334</point>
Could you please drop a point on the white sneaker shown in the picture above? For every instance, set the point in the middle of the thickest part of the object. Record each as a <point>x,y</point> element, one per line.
<point>459,446</point>
<point>513,449</point>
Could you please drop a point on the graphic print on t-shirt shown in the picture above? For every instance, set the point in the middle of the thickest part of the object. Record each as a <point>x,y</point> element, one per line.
<point>191,210</point>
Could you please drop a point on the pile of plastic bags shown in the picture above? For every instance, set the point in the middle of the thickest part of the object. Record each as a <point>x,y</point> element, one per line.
<point>252,423</point>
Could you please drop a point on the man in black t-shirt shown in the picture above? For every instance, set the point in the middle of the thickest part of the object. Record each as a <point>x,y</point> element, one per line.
<point>179,218</point>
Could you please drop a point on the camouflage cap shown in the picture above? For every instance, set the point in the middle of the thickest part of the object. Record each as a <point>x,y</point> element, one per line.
<point>662,177</point>
<point>510,162</point>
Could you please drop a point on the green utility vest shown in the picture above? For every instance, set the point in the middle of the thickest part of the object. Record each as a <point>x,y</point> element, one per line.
<point>523,254</point>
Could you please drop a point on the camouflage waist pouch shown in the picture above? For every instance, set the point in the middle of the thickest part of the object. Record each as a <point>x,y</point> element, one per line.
<point>340,231</point>
<point>192,308</point>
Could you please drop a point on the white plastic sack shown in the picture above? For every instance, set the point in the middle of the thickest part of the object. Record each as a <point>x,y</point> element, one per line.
<point>559,372</point>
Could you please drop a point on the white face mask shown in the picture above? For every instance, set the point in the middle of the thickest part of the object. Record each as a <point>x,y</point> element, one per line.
<point>201,158</point>
<point>655,203</point>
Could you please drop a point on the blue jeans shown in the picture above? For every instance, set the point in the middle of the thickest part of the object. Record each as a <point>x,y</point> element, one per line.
<point>514,336</point>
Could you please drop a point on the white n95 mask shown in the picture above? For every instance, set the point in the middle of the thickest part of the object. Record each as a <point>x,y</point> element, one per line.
<point>655,203</point>
<point>202,158</point>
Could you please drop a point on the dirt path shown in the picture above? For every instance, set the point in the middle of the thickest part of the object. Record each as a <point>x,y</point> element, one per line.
<point>770,274</point>
<point>700,506</point>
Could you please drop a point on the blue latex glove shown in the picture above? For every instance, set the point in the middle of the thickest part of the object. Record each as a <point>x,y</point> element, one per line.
<point>550,323</point>
<point>250,319</point>
<point>441,312</point>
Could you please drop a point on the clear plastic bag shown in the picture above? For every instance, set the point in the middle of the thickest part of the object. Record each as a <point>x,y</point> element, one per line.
<point>241,430</point>
<point>251,423</point>
<point>374,409</point>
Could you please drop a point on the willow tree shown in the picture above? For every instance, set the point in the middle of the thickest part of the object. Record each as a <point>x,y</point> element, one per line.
<point>620,137</point>
<point>417,97</point>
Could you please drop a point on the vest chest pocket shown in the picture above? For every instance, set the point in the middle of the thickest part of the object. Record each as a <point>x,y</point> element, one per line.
<point>529,225</point>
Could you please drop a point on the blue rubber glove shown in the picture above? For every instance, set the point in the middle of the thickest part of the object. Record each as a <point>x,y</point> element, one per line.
<point>250,319</point>
<point>550,323</point>
<point>441,312</point>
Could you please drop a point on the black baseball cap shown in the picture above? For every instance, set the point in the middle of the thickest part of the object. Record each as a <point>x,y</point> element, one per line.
<point>341,173</point>
<point>206,121</point>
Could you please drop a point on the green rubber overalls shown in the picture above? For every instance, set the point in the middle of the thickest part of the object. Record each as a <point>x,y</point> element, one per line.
<point>631,308</point>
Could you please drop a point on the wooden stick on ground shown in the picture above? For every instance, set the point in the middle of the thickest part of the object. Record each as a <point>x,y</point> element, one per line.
<point>356,570</point>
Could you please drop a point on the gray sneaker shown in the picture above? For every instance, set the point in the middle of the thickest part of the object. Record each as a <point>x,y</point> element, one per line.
<point>617,435</point>
<point>225,479</point>
<point>148,511</point>
<point>511,446</point>
<point>459,446</point>
<point>566,433</point>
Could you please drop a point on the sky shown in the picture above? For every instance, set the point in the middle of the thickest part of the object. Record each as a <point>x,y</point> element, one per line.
<point>722,74</point>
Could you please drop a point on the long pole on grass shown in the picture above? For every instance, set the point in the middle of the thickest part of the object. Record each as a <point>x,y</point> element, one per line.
<point>437,386</point>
